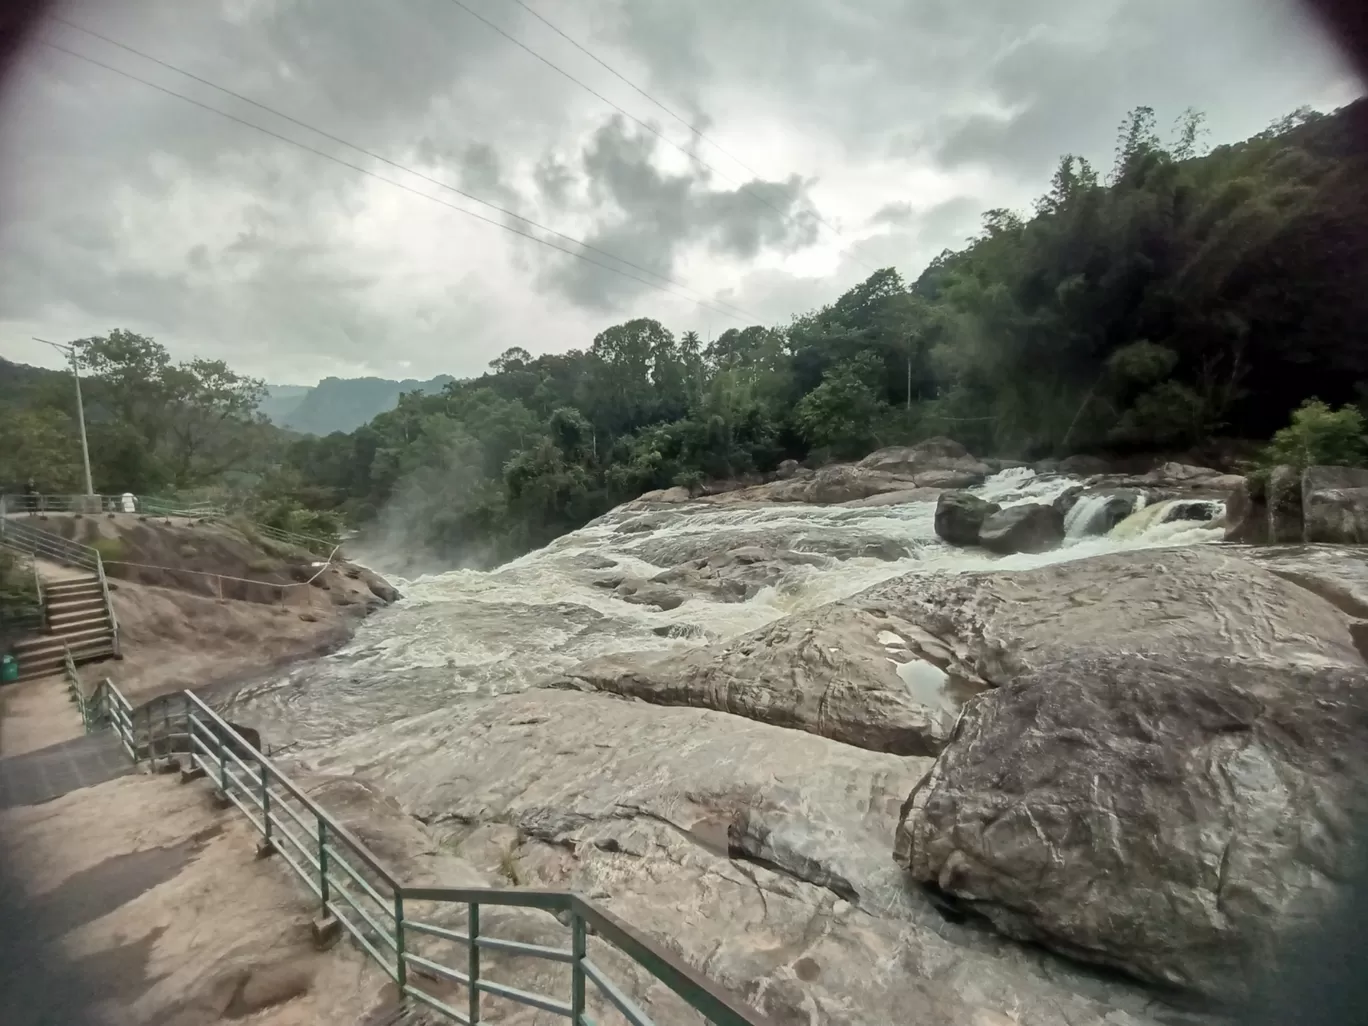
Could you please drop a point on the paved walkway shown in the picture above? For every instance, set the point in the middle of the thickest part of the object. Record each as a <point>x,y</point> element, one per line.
<point>51,772</point>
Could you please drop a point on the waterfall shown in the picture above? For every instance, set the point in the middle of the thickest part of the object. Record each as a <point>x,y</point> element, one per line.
<point>1080,521</point>
<point>468,632</point>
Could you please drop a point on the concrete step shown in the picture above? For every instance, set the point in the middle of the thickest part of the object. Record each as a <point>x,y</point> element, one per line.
<point>70,597</point>
<point>43,664</point>
<point>56,641</point>
<point>65,588</point>
<point>73,614</point>
<point>77,624</point>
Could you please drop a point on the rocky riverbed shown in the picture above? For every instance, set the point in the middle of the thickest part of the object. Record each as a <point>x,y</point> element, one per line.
<point>857,774</point>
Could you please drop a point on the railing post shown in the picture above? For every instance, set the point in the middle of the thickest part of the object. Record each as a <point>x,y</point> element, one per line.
<point>223,764</point>
<point>265,804</point>
<point>473,964</point>
<point>400,959</point>
<point>323,864</point>
<point>577,951</point>
<point>147,738</point>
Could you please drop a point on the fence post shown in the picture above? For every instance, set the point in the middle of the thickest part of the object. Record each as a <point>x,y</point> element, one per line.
<point>400,959</point>
<point>267,845</point>
<point>323,864</point>
<point>473,965</point>
<point>147,736</point>
<point>223,764</point>
<point>577,951</point>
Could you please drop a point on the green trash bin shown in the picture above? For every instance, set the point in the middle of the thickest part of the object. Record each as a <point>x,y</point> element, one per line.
<point>9,669</point>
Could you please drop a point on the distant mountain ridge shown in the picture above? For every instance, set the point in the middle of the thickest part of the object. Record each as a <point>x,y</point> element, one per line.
<point>339,404</point>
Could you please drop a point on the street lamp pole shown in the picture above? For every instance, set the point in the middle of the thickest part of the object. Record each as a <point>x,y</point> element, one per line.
<point>70,352</point>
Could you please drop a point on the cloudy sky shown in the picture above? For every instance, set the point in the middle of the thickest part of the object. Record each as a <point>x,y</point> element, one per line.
<point>815,140</point>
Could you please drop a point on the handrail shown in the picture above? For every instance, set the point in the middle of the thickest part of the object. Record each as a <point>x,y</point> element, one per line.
<point>281,586</point>
<point>109,604</point>
<point>365,898</point>
<point>38,590</point>
<point>150,505</point>
<point>37,542</point>
<point>40,543</point>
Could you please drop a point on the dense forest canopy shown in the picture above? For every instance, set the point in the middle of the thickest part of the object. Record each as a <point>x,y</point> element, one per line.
<point>1170,298</point>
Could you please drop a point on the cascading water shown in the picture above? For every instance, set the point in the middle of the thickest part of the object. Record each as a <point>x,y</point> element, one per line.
<point>468,632</point>
<point>1083,519</point>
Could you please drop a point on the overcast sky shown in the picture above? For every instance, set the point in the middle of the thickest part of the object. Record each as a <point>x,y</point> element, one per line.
<point>838,136</point>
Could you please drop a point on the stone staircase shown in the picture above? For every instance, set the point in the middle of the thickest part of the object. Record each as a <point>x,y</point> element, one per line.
<point>77,619</point>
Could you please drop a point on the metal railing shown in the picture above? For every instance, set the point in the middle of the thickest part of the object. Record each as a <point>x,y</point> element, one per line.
<point>28,502</point>
<point>151,505</point>
<point>23,537</point>
<point>407,930</point>
<point>108,604</point>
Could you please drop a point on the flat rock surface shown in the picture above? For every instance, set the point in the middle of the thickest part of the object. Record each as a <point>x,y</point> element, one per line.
<point>759,855</point>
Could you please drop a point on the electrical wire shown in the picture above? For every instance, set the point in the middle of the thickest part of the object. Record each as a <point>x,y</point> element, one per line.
<point>725,309</point>
<point>678,117</point>
<point>644,124</point>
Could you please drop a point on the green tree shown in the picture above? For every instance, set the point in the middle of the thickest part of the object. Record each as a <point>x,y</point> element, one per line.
<point>1319,436</point>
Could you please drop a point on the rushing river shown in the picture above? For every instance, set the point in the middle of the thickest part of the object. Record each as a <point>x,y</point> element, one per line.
<point>468,632</point>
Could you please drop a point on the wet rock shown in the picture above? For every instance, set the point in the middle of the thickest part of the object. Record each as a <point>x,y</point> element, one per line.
<point>1196,510</point>
<point>649,593</point>
<point>866,677</point>
<point>934,463</point>
<point>1284,499</point>
<point>1067,499</point>
<point>1168,818</point>
<point>378,586</point>
<point>1247,512</point>
<point>1167,835</point>
<point>897,498</point>
<point>1185,603</point>
<point>1029,527</point>
<point>787,469</point>
<point>1082,465</point>
<point>737,575</point>
<point>671,495</point>
<point>1043,467</point>
<point>717,837</point>
<point>1103,516</point>
<point>1335,505</point>
<point>959,515</point>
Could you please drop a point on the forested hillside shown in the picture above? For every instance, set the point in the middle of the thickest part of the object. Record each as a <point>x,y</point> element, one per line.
<point>1172,298</point>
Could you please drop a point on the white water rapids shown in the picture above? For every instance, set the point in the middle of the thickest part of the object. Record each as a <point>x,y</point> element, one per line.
<point>467,632</point>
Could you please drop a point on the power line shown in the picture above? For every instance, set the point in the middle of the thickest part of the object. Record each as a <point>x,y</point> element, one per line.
<point>737,311</point>
<point>678,117</point>
<point>625,113</point>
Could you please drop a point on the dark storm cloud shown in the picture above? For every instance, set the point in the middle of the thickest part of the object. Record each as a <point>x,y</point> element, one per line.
<point>648,216</point>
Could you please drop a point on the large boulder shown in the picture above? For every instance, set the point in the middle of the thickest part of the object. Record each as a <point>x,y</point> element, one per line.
<point>1335,505</point>
<point>1067,499</point>
<point>1159,779</point>
<point>1029,527</point>
<point>866,677</point>
<point>1162,817</point>
<point>1247,512</point>
<point>1097,514</point>
<point>934,463</point>
<point>1284,503</point>
<point>959,515</point>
